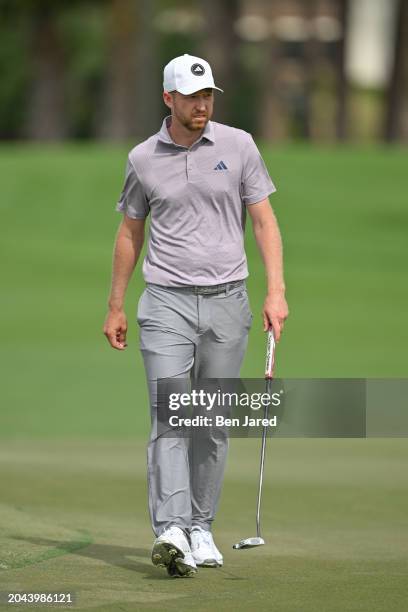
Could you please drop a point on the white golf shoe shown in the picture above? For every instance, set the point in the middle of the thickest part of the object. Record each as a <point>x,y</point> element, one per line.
<point>204,551</point>
<point>172,551</point>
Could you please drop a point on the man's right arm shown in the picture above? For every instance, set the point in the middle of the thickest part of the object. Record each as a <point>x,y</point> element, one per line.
<point>128,245</point>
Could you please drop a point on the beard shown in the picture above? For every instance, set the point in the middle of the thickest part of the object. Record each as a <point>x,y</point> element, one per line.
<point>193,124</point>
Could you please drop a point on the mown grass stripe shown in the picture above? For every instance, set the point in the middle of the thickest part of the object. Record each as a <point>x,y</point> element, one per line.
<point>57,551</point>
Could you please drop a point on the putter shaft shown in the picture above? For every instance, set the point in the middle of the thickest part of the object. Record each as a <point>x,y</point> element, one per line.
<point>270,354</point>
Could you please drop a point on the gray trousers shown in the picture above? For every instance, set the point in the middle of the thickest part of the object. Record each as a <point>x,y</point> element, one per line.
<point>183,335</point>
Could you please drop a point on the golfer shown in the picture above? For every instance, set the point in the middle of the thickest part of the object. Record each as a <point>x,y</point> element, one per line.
<point>197,179</point>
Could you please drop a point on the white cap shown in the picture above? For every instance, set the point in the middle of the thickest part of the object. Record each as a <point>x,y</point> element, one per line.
<point>188,74</point>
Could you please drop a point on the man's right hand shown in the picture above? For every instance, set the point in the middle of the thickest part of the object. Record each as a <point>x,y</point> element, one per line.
<point>115,329</point>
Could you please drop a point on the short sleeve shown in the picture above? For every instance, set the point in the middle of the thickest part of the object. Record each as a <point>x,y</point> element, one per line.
<point>256,184</point>
<point>133,200</point>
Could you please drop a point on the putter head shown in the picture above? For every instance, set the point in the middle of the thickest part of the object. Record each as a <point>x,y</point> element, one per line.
<point>249,543</point>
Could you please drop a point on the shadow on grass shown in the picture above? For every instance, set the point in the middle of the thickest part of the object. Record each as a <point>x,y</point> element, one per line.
<point>117,556</point>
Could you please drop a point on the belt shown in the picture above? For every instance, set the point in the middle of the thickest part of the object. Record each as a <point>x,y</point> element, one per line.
<point>204,289</point>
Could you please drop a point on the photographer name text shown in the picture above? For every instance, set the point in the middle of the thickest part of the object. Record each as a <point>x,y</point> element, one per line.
<point>221,421</point>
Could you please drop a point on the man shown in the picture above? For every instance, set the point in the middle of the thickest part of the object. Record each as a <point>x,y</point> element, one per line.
<point>196,178</point>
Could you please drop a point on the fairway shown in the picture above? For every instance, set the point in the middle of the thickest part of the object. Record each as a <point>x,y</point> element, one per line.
<point>74,416</point>
<point>73,518</point>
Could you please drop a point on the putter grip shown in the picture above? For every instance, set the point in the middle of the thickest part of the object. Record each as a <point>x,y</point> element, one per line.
<point>270,355</point>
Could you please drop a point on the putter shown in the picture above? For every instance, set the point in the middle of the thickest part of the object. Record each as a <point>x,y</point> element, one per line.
<point>270,357</point>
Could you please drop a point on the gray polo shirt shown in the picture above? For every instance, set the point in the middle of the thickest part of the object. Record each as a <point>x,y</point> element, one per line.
<point>197,200</point>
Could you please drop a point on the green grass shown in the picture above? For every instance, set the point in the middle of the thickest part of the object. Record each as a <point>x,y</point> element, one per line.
<point>73,517</point>
<point>343,217</point>
<point>74,417</point>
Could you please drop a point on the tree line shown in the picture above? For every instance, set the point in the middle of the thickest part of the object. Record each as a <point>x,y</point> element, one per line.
<point>80,69</point>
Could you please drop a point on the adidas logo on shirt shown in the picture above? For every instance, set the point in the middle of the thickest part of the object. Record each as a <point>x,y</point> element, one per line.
<point>221,166</point>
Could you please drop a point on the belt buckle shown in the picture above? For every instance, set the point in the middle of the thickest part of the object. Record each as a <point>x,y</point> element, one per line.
<point>210,290</point>
<point>206,290</point>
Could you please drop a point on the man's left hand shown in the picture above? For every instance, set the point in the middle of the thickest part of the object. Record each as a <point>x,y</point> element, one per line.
<point>275,312</point>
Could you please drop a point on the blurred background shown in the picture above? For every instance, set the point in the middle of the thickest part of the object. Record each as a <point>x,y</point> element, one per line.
<point>323,87</point>
<point>315,70</point>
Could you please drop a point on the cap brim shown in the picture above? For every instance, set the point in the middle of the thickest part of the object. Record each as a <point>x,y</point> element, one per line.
<point>186,91</point>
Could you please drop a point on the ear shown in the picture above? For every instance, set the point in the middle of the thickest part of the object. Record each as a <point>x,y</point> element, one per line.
<point>167,98</point>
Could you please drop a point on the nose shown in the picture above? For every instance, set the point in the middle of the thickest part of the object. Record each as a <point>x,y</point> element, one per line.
<point>200,103</point>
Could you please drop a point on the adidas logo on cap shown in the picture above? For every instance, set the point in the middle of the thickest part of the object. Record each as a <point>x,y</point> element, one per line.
<point>181,75</point>
<point>197,69</point>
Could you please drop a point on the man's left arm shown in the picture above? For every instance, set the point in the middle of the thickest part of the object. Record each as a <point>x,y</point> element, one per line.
<point>268,238</point>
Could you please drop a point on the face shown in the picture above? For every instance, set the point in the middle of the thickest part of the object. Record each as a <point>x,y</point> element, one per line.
<point>192,111</point>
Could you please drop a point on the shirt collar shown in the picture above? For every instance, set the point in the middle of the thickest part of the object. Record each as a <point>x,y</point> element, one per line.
<point>164,135</point>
